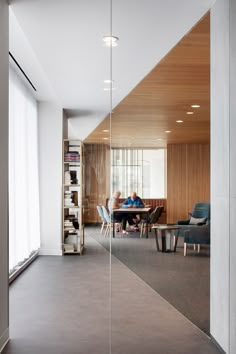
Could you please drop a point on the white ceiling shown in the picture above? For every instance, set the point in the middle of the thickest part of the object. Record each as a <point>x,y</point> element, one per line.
<point>59,45</point>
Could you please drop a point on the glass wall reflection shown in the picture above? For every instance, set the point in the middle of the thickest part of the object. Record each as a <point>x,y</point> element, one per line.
<point>150,96</point>
<point>151,151</point>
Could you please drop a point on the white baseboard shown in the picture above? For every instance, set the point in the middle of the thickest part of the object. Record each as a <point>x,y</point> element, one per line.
<point>4,339</point>
<point>50,252</point>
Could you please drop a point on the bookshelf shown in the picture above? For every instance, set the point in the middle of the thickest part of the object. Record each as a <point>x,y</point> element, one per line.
<point>72,197</point>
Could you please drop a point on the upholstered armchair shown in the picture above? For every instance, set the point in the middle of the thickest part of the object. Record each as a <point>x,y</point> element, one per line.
<point>199,216</point>
<point>197,236</point>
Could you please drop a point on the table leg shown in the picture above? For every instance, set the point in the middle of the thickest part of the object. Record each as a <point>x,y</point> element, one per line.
<point>168,235</point>
<point>146,230</point>
<point>176,239</point>
<point>157,243</point>
<point>163,240</point>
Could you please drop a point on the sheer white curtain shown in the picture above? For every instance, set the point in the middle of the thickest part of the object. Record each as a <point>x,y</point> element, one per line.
<point>24,225</point>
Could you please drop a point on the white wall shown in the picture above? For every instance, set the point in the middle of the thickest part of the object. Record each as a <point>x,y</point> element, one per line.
<point>223,174</point>
<point>50,175</point>
<point>81,127</point>
<point>4,305</point>
<point>65,126</point>
<point>232,159</point>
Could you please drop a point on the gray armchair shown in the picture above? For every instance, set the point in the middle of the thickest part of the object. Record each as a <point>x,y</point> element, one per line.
<point>200,211</point>
<point>199,216</point>
<point>197,236</point>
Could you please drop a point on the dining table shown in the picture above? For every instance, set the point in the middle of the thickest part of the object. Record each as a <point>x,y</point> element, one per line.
<point>144,211</point>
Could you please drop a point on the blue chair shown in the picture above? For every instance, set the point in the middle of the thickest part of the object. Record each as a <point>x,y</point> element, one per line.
<point>197,236</point>
<point>200,215</point>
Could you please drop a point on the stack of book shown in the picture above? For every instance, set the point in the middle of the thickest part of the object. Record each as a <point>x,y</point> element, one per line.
<point>72,156</point>
<point>72,239</point>
<point>67,177</point>
<point>68,202</point>
<point>72,218</point>
<point>70,177</point>
<point>68,248</point>
<point>68,225</point>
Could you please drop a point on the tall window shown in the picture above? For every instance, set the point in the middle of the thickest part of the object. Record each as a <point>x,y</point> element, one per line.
<point>24,226</point>
<point>142,171</point>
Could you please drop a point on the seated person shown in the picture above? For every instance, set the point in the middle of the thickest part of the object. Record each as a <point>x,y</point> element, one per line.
<point>123,218</point>
<point>134,202</point>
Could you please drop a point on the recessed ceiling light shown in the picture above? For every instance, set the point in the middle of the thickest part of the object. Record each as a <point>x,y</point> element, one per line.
<point>105,130</point>
<point>167,131</point>
<point>110,41</point>
<point>108,81</point>
<point>109,88</point>
<point>159,139</point>
<point>179,121</point>
<point>195,106</point>
<point>105,138</point>
<point>189,112</point>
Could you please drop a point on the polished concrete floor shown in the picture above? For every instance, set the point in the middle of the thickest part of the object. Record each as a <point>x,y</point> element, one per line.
<point>68,305</point>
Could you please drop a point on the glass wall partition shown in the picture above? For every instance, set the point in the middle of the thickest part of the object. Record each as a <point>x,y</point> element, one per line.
<point>146,97</point>
<point>153,86</point>
<point>137,166</point>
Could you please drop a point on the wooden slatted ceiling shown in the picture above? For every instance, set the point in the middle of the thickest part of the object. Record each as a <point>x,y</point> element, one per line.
<point>164,96</point>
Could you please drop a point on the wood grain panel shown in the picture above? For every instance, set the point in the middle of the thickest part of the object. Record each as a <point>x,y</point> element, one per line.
<point>181,79</point>
<point>188,178</point>
<point>175,168</point>
<point>97,179</point>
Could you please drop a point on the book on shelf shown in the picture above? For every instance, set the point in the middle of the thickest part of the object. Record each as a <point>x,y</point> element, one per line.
<point>73,177</point>
<point>71,222</point>
<point>69,248</point>
<point>70,177</point>
<point>72,240</point>
<point>68,199</point>
<point>72,156</point>
<point>68,222</point>
<point>75,197</point>
<point>76,224</point>
<point>74,148</point>
<point>72,231</point>
<point>67,177</point>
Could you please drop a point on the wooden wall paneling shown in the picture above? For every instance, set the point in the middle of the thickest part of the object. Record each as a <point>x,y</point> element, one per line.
<point>176,182</point>
<point>193,174</point>
<point>205,172</point>
<point>188,178</point>
<point>97,179</point>
<point>198,174</point>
